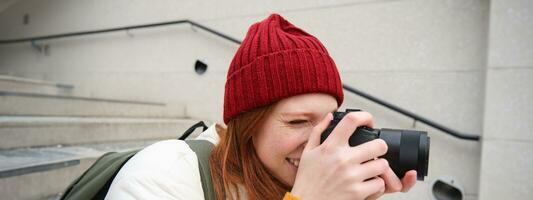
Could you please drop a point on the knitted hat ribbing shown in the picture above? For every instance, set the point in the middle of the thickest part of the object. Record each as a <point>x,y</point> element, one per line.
<point>277,60</point>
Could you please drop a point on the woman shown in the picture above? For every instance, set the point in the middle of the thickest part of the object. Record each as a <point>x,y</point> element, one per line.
<point>281,87</point>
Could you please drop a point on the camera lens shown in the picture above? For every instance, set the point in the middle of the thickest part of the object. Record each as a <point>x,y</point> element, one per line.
<point>408,149</point>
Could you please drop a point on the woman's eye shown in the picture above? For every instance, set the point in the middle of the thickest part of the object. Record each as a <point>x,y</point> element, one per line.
<point>297,122</point>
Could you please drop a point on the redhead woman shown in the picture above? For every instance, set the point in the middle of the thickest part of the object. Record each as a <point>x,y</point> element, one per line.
<point>281,89</point>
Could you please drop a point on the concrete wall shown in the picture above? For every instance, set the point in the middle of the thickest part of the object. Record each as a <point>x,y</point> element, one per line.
<point>428,56</point>
<point>507,167</point>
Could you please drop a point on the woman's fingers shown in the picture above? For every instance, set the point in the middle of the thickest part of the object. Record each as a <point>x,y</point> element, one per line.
<point>392,182</point>
<point>409,180</point>
<point>372,168</point>
<point>346,127</point>
<point>314,138</point>
<point>368,150</point>
<point>371,187</point>
<point>376,195</point>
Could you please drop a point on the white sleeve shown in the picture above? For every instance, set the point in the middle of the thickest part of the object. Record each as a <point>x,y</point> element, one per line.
<point>165,170</point>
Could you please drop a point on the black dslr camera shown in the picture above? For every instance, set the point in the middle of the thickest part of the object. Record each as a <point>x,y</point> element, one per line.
<point>408,149</point>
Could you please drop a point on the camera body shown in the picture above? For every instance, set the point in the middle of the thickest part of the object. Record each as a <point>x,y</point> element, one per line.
<point>407,149</point>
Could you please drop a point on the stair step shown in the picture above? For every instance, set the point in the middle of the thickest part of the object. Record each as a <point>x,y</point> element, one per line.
<point>20,103</point>
<point>34,131</point>
<point>20,84</point>
<point>39,173</point>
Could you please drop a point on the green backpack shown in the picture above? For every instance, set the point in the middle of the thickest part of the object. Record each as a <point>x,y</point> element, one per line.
<point>95,182</point>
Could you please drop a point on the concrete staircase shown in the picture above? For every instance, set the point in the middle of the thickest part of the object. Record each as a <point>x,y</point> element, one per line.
<point>48,136</point>
<point>19,84</point>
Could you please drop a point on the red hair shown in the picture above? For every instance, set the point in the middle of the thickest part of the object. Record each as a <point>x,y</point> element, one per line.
<point>234,162</point>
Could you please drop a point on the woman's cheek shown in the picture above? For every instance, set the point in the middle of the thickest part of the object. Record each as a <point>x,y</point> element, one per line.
<point>291,141</point>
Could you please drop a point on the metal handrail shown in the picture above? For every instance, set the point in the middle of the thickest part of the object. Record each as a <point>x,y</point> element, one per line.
<point>236,41</point>
<point>412,115</point>
<point>125,28</point>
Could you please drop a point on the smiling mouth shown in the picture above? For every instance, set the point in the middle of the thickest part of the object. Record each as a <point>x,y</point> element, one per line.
<point>293,161</point>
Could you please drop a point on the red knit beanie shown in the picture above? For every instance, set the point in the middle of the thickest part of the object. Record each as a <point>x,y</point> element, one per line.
<point>277,60</point>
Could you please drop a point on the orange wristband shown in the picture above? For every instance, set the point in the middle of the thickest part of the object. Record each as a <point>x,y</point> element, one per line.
<point>289,196</point>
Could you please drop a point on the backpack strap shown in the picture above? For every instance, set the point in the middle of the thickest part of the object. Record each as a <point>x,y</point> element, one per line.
<point>192,128</point>
<point>203,148</point>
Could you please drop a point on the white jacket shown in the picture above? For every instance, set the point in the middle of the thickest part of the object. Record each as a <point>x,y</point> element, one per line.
<point>164,170</point>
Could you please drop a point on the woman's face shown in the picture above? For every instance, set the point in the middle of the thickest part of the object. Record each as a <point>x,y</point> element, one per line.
<point>282,136</point>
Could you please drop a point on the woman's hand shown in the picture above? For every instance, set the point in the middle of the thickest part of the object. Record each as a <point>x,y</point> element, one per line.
<point>394,184</point>
<point>334,170</point>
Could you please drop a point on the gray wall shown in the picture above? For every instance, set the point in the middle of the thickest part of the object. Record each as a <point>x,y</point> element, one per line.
<point>428,56</point>
<point>507,167</point>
